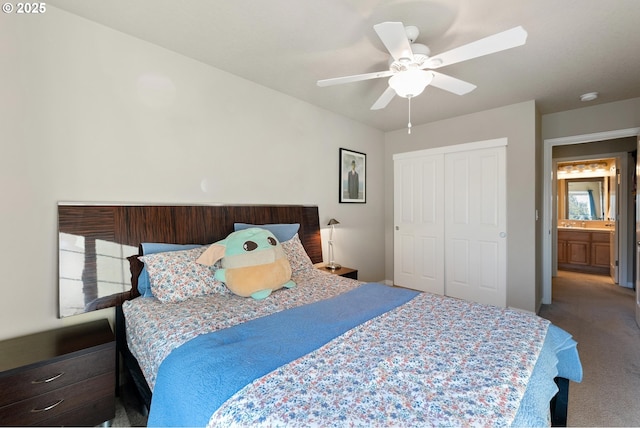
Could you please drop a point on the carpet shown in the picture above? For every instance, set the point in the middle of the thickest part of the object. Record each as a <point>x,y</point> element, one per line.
<point>601,317</point>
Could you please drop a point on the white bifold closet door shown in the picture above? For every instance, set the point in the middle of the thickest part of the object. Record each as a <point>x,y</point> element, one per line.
<point>450,222</point>
<point>419,223</point>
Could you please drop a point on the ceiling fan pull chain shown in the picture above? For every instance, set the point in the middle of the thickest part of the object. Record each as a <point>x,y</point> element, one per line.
<point>409,124</point>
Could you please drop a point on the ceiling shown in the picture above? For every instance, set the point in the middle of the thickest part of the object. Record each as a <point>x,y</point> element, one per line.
<point>573,47</point>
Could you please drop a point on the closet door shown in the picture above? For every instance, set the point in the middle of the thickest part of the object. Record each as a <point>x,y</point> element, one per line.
<point>419,223</point>
<point>475,225</point>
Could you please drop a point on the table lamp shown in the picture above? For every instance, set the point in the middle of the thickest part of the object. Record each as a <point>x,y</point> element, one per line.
<point>332,265</point>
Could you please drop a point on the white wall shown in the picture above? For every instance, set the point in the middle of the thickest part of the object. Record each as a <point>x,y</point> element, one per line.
<point>593,119</point>
<point>518,123</point>
<point>91,114</point>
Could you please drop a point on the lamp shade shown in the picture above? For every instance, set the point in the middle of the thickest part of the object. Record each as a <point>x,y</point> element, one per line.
<point>332,222</point>
<point>410,83</point>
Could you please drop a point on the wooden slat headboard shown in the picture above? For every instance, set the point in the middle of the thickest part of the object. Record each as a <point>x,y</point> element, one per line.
<point>179,224</point>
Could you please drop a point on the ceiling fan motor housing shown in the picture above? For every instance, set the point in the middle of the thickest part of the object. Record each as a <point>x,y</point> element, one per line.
<point>420,52</point>
<point>420,55</point>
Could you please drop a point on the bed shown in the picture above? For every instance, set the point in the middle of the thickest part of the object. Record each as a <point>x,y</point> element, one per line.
<point>331,350</point>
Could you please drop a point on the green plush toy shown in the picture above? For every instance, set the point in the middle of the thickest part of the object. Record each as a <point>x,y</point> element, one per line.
<point>253,263</point>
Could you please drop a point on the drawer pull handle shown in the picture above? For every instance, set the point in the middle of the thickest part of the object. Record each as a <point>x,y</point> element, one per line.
<point>46,409</point>
<point>50,379</point>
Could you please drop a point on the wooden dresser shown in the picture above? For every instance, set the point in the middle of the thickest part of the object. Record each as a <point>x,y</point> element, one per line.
<point>59,377</point>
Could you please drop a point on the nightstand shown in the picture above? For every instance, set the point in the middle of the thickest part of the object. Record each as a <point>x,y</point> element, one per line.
<point>64,376</point>
<point>343,271</point>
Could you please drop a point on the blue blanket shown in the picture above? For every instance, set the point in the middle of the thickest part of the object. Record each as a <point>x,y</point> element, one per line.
<point>196,378</point>
<point>558,357</point>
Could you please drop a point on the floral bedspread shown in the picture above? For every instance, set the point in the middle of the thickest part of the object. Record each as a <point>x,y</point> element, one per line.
<point>433,361</point>
<point>154,329</point>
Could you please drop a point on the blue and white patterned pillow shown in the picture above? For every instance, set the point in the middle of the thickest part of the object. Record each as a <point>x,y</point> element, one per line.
<point>175,276</point>
<point>297,255</point>
<point>144,286</point>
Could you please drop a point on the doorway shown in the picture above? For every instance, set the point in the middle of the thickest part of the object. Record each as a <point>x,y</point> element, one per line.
<point>549,215</point>
<point>590,205</point>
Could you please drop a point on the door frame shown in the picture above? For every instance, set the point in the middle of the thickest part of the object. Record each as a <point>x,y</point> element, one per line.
<point>622,221</point>
<point>636,244</point>
<point>547,198</point>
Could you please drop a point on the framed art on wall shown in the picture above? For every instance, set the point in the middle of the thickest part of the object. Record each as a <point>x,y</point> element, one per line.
<point>353,177</point>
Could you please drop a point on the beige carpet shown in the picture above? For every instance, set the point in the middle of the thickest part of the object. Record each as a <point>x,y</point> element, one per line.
<point>600,316</point>
<point>129,409</point>
<point>121,419</point>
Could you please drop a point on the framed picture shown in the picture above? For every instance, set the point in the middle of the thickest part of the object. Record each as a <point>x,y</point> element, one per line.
<point>353,177</point>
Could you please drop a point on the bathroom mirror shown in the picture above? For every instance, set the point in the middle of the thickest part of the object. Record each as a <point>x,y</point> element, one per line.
<point>585,199</point>
<point>584,189</point>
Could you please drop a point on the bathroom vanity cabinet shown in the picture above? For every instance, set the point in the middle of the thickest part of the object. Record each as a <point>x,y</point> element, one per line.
<point>584,250</point>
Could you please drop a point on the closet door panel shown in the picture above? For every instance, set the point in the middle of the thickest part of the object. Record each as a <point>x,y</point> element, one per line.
<point>407,259</point>
<point>419,224</point>
<point>458,266</point>
<point>489,276</point>
<point>431,271</point>
<point>458,192</point>
<point>475,212</point>
<point>488,200</point>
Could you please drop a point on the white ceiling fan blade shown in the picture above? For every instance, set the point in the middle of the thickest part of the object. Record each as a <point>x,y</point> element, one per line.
<point>498,42</point>
<point>384,99</point>
<point>451,84</point>
<point>354,78</point>
<point>394,37</point>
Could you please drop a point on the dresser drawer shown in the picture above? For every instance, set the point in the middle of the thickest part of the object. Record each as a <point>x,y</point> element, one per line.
<point>574,235</point>
<point>95,392</point>
<point>27,382</point>
<point>92,414</point>
<point>600,237</point>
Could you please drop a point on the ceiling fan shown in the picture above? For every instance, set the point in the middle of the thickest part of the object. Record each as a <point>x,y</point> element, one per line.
<point>411,67</point>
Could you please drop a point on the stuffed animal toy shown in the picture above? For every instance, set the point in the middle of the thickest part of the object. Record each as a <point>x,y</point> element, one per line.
<point>253,263</point>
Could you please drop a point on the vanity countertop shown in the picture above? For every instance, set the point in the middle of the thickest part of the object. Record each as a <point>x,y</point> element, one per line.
<point>587,229</point>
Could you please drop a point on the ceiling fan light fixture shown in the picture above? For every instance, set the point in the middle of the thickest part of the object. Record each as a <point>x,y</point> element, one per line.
<point>412,32</point>
<point>410,83</point>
